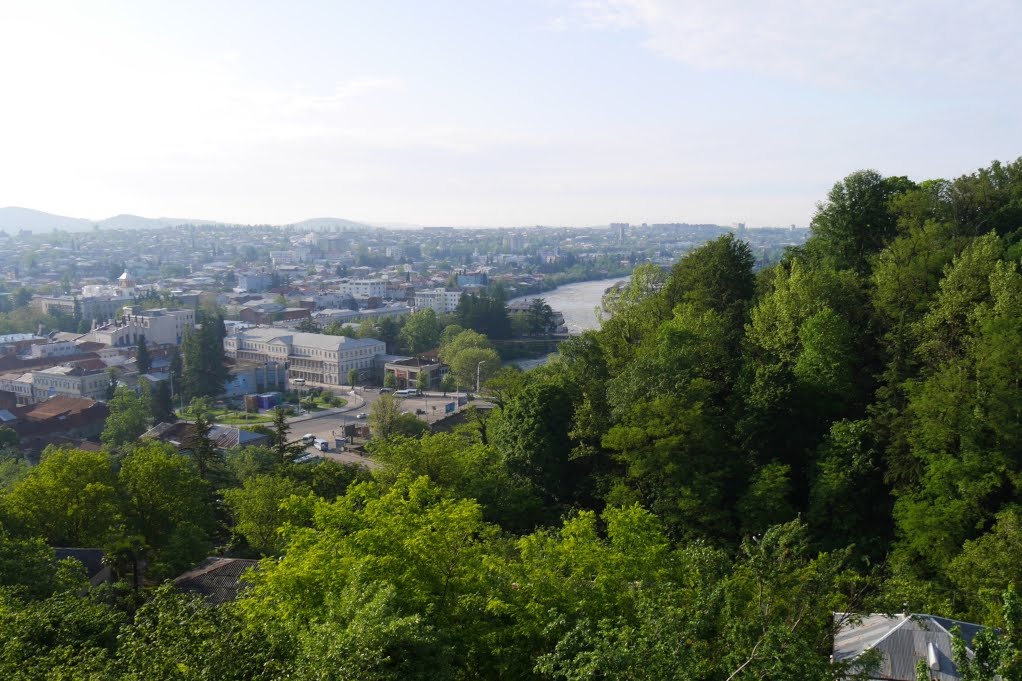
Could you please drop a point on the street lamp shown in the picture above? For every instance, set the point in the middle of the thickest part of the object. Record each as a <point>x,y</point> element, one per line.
<point>478,369</point>
<point>299,382</point>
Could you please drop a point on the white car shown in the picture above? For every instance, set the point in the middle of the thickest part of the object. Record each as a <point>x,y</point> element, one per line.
<point>362,415</point>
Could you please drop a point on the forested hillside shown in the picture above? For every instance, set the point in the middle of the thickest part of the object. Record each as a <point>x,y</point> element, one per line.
<point>687,493</point>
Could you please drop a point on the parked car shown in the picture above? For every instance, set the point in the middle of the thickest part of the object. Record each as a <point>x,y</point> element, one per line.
<point>308,438</point>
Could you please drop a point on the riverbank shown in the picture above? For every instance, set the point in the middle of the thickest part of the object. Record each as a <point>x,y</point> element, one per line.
<point>578,302</point>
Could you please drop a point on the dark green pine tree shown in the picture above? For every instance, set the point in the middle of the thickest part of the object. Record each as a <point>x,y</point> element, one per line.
<point>163,404</point>
<point>143,359</point>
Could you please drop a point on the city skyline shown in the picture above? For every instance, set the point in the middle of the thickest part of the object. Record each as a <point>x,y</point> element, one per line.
<point>559,113</point>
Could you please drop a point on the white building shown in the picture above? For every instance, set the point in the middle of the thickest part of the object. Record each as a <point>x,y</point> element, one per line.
<point>364,288</point>
<point>158,327</point>
<point>55,349</point>
<point>441,300</point>
<point>69,381</point>
<point>20,384</point>
<point>314,357</point>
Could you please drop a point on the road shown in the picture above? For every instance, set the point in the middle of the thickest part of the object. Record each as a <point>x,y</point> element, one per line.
<point>328,425</point>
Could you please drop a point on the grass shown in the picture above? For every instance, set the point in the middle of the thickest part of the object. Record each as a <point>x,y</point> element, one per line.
<point>230,417</point>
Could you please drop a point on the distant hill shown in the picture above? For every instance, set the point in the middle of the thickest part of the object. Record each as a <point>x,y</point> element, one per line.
<point>14,218</point>
<point>330,223</point>
<point>139,222</point>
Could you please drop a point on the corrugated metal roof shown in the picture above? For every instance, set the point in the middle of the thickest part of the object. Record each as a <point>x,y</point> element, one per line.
<point>902,640</point>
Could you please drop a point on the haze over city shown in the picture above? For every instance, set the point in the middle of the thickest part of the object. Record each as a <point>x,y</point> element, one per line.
<point>550,112</point>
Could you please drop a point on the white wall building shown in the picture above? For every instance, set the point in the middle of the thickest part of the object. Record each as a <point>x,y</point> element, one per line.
<point>69,381</point>
<point>315,357</point>
<point>159,327</point>
<point>441,300</point>
<point>56,349</point>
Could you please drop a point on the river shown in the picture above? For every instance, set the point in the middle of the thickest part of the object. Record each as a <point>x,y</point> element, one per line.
<point>578,303</point>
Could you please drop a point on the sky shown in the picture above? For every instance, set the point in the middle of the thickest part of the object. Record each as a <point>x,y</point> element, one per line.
<point>495,113</point>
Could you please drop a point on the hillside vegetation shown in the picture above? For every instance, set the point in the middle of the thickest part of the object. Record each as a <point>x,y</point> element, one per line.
<point>687,493</point>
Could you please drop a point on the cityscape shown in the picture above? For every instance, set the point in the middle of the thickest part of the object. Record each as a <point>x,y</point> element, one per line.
<point>551,340</point>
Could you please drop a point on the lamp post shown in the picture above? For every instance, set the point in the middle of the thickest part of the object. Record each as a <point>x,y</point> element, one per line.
<point>299,382</point>
<point>478,369</point>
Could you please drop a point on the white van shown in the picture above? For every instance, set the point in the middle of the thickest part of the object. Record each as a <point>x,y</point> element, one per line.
<point>322,445</point>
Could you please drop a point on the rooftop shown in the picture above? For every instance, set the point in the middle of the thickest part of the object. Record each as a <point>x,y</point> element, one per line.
<point>309,340</point>
<point>218,580</point>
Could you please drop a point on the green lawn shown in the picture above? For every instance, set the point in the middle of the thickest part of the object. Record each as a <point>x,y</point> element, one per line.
<point>229,417</point>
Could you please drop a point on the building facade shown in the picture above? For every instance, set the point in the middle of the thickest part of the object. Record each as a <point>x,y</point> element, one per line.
<point>314,357</point>
<point>69,382</point>
<point>440,300</point>
<point>158,327</point>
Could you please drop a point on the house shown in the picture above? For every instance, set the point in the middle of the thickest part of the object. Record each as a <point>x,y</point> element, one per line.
<point>97,571</point>
<point>901,641</point>
<point>218,580</point>
<point>180,435</point>
<point>75,417</point>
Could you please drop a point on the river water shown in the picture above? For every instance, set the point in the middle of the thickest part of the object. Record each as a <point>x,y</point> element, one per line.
<point>578,302</point>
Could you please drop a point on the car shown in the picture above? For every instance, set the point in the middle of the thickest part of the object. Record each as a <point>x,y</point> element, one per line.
<point>308,438</point>
<point>362,415</point>
<point>386,390</point>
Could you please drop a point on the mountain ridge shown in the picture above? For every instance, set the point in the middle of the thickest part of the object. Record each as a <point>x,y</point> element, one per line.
<point>14,218</point>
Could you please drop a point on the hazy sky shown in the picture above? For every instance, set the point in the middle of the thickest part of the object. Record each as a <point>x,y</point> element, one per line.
<point>495,113</point>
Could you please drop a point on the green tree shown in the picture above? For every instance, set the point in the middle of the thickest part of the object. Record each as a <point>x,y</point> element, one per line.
<point>82,485</point>
<point>421,331</point>
<point>205,370</point>
<point>129,417</point>
<point>383,416</point>
<point>167,503</point>
<point>856,220</point>
<point>213,645</point>
<point>422,381</point>
<point>143,360</point>
<point>353,377</point>
<point>162,404</point>
<point>256,507</point>
<point>283,448</point>
<point>474,364</point>
<point>203,450</point>
<point>389,380</point>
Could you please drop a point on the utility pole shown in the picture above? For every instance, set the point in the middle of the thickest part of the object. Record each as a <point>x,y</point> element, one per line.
<point>478,369</point>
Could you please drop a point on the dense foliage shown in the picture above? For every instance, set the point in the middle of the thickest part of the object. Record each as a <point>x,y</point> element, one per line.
<point>687,493</point>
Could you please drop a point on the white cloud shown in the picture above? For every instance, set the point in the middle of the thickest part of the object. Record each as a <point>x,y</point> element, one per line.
<point>905,44</point>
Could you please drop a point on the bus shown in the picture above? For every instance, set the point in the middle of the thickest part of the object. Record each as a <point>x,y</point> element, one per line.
<point>408,392</point>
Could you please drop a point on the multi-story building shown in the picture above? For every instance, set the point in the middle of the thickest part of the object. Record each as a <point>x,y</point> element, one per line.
<point>158,327</point>
<point>313,357</point>
<point>441,300</point>
<point>255,282</point>
<point>13,343</point>
<point>364,288</point>
<point>20,384</point>
<point>100,307</point>
<point>54,349</point>
<point>70,382</point>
